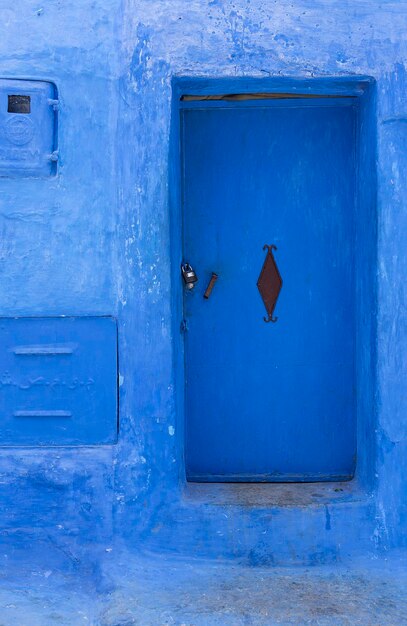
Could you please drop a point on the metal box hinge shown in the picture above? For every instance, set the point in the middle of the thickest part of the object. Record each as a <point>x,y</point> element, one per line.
<point>54,104</point>
<point>54,156</point>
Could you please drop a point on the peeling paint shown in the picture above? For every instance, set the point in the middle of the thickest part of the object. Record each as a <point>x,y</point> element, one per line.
<point>96,241</point>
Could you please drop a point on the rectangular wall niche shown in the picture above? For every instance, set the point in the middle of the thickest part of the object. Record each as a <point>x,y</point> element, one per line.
<point>278,188</point>
<point>58,381</point>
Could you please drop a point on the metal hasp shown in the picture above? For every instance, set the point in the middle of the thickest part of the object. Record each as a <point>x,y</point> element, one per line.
<point>269,283</point>
<point>210,286</point>
<point>189,276</point>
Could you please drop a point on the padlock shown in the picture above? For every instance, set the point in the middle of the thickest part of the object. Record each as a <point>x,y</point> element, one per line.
<point>189,275</point>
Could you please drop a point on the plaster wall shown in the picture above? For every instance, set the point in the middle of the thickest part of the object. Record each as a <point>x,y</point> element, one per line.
<point>96,240</point>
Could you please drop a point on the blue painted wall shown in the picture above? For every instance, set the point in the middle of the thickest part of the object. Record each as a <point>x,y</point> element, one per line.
<point>96,240</point>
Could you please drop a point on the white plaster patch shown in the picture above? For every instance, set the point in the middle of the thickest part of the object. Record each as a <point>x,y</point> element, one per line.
<point>171,431</point>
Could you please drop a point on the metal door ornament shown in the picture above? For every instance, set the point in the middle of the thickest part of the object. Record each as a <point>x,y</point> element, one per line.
<point>269,283</point>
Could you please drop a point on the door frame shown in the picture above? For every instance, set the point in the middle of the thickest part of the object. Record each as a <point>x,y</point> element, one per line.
<point>362,88</point>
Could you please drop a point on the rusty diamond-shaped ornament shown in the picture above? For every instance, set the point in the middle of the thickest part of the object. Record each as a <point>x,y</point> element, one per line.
<point>269,283</point>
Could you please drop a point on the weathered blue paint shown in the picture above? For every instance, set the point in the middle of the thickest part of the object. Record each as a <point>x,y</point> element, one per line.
<point>98,238</point>
<point>270,402</point>
<point>59,383</point>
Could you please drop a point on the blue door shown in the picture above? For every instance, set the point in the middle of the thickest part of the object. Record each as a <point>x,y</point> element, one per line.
<point>268,214</point>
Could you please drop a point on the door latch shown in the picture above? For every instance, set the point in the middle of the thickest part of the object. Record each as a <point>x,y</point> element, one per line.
<point>210,286</point>
<point>189,275</point>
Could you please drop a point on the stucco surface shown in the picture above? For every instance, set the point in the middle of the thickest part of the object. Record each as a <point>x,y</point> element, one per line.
<point>95,240</point>
<point>156,591</point>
